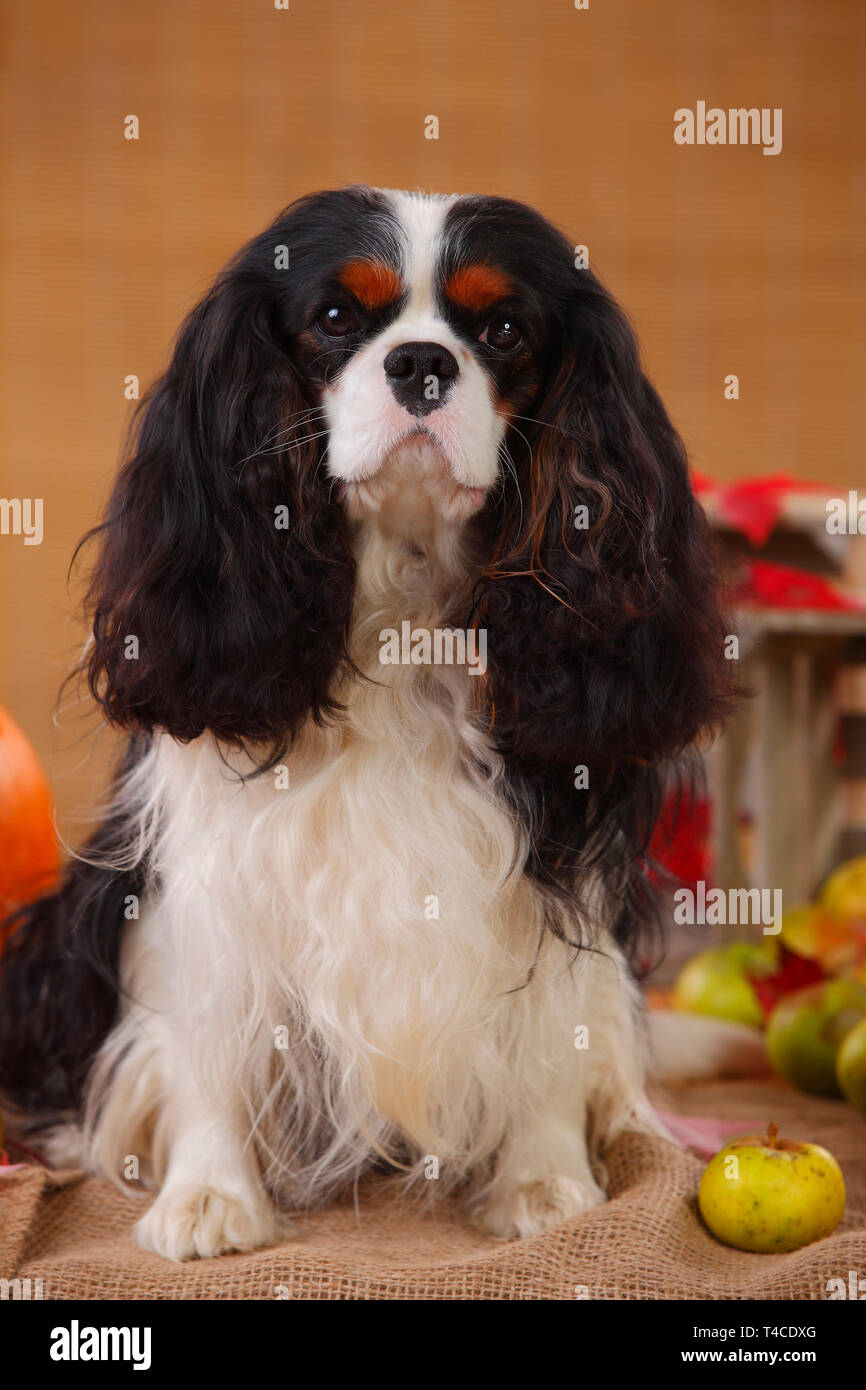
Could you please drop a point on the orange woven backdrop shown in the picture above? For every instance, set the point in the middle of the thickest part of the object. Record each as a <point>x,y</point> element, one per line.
<point>727,260</point>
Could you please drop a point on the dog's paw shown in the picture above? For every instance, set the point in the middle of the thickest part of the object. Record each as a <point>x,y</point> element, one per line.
<point>529,1208</point>
<point>198,1222</point>
<point>62,1146</point>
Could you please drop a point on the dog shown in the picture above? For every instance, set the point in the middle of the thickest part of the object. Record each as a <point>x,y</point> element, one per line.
<point>408,609</point>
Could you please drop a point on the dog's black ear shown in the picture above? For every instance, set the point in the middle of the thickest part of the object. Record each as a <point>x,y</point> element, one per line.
<point>223,590</point>
<point>606,638</point>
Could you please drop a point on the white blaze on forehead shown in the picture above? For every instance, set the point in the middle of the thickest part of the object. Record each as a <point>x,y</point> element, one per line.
<point>421,217</point>
<point>368,427</point>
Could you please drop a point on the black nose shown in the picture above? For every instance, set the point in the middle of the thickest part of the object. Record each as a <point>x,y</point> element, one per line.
<point>420,375</point>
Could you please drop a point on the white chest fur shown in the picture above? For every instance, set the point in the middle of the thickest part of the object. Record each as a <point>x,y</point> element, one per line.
<point>344,958</point>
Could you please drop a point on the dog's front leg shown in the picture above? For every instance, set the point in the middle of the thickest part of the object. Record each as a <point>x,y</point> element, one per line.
<point>543,1177</point>
<point>578,1073</point>
<point>168,1089</point>
<point>212,1200</point>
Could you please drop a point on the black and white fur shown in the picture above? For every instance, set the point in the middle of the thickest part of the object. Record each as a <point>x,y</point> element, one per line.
<point>372,906</point>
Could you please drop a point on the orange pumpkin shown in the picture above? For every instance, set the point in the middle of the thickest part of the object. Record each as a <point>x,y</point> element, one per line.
<point>29,852</point>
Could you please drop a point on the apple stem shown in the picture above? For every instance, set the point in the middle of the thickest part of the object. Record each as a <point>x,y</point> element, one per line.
<point>772,1136</point>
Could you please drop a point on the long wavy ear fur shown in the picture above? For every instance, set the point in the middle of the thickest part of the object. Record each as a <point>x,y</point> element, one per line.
<point>602,607</point>
<point>238,610</point>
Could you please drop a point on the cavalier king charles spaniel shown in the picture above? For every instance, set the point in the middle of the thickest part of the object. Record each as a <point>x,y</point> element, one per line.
<point>408,610</point>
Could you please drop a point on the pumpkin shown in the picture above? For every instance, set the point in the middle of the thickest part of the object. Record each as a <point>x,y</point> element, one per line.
<point>29,852</point>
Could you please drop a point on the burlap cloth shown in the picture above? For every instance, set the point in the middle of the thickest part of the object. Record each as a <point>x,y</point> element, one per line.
<point>647,1242</point>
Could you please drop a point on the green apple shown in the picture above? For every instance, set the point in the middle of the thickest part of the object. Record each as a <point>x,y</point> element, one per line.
<point>851,1066</point>
<point>768,1195</point>
<point>806,1030</point>
<point>716,981</point>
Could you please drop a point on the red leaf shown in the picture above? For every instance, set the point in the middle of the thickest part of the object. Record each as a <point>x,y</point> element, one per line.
<point>794,972</point>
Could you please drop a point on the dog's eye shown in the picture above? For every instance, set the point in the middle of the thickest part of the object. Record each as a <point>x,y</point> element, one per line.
<point>338,321</point>
<point>503,335</point>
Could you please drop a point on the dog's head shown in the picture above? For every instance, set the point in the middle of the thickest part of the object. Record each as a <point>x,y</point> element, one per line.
<point>360,328</point>
<point>434,332</point>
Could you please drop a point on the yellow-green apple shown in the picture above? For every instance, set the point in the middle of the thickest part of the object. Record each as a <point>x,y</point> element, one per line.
<point>767,1194</point>
<point>851,1066</point>
<point>718,982</point>
<point>806,1030</point>
<point>844,892</point>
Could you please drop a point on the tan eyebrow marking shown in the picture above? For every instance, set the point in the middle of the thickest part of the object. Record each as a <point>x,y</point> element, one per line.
<point>477,286</point>
<point>373,283</point>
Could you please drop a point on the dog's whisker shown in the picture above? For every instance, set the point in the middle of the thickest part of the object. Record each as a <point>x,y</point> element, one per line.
<point>277,448</point>
<point>303,417</point>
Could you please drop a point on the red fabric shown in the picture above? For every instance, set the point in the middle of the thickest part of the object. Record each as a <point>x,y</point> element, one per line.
<point>704,1134</point>
<point>785,586</point>
<point>680,841</point>
<point>752,506</point>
